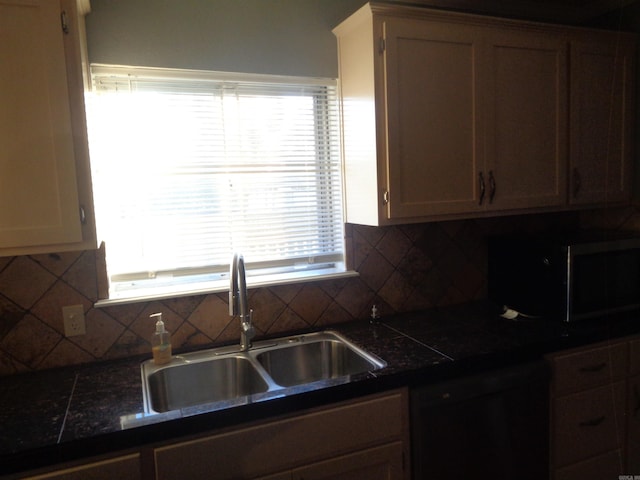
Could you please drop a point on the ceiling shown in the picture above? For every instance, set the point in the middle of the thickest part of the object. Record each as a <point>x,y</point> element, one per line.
<point>588,5</point>
<point>562,11</point>
<point>582,10</point>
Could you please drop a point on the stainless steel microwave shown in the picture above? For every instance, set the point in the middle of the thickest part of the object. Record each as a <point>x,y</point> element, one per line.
<point>569,277</point>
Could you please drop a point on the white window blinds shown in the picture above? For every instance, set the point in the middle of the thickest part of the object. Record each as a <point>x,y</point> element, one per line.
<point>190,167</point>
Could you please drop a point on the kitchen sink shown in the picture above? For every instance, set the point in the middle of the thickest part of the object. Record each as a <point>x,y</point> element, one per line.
<point>314,359</point>
<point>210,380</point>
<point>226,373</point>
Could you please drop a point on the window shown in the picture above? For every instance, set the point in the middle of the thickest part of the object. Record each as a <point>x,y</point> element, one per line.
<point>190,167</point>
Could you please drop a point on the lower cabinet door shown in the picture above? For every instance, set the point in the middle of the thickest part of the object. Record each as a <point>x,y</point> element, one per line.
<point>380,463</point>
<point>602,467</point>
<point>276,476</point>
<point>633,458</point>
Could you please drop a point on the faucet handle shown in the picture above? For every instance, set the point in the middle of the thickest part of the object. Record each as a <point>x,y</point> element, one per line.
<point>232,302</point>
<point>248,331</point>
<point>250,318</point>
<point>247,325</point>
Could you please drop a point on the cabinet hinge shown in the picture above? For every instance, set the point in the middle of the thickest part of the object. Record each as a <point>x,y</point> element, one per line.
<point>383,45</point>
<point>63,22</point>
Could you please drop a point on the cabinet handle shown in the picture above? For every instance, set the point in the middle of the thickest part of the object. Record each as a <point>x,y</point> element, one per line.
<point>577,182</point>
<point>482,189</point>
<point>63,22</point>
<point>636,396</point>
<point>593,368</point>
<point>492,186</point>
<point>594,422</point>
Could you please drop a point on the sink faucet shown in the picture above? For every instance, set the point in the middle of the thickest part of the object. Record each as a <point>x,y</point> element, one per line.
<point>238,301</point>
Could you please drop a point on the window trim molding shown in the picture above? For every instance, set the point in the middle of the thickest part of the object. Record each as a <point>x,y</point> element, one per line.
<point>256,283</point>
<point>102,69</point>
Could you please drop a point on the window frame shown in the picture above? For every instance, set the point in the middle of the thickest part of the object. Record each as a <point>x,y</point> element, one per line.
<point>212,279</point>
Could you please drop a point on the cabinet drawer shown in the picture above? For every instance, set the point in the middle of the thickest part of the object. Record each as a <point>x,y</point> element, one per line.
<point>379,463</point>
<point>121,468</point>
<point>578,371</point>
<point>634,356</point>
<point>633,406</point>
<point>588,423</point>
<point>283,444</point>
<point>608,465</point>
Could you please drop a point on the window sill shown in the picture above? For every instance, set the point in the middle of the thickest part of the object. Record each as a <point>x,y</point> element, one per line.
<point>151,294</point>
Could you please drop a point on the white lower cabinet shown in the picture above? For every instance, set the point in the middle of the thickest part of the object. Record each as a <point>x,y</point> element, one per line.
<point>595,411</point>
<point>126,467</point>
<point>633,439</point>
<point>380,463</point>
<point>361,439</point>
<point>596,468</point>
<point>633,408</point>
<point>276,476</point>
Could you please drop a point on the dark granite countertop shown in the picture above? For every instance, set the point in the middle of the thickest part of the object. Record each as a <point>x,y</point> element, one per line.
<point>57,415</point>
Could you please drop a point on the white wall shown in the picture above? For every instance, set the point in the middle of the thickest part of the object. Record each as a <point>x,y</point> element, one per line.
<point>285,37</point>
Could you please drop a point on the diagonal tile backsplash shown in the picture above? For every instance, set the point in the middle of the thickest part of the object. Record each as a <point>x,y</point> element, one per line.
<point>402,268</point>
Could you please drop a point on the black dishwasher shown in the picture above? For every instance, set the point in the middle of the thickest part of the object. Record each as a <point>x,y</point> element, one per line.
<point>493,425</point>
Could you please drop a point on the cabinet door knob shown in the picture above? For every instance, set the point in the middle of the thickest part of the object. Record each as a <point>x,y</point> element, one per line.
<point>482,188</point>
<point>492,186</point>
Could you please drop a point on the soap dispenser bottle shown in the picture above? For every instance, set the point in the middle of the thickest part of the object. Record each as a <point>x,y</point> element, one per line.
<point>160,342</point>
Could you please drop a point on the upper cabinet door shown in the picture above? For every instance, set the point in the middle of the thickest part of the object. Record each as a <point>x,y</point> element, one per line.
<point>38,189</point>
<point>433,118</point>
<point>526,141</point>
<point>601,120</point>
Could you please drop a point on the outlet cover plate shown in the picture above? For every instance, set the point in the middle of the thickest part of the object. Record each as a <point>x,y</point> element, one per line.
<point>73,316</point>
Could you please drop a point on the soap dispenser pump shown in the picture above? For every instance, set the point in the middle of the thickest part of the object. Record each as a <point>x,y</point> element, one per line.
<point>160,342</point>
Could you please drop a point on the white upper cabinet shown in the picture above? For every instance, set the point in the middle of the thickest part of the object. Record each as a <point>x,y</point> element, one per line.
<point>449,115</point>
<point>526,120</point>
<point>45,193</point>
<point>602,102</point>
<point>429,118</point>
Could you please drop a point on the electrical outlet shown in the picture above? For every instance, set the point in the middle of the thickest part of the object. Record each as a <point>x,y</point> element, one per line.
<point>73,316</point>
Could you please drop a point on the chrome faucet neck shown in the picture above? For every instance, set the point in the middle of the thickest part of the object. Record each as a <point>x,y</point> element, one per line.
<point>239,302</point>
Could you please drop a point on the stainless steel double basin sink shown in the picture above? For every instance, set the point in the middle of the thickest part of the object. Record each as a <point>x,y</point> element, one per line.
<point>225,373</point>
